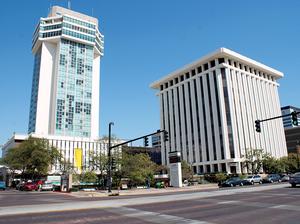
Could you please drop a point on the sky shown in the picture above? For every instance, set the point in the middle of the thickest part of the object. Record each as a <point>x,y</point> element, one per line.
<point>144,41</point>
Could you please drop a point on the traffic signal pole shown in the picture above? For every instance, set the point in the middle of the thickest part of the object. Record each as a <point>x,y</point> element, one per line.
<point>145,136</point>
<point>125,143</point>
<point>293,115</point>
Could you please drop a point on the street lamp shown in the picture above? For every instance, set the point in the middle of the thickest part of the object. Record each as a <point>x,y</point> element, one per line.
<point>109,156</point>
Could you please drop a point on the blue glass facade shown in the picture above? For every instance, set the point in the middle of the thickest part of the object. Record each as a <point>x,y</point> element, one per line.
<point>34,91</point>
<point>74,89</point>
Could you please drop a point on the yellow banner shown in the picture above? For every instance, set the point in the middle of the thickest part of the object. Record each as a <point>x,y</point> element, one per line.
<point>78,158</point>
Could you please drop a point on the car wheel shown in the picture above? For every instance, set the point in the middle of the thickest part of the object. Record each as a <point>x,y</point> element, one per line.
<point>252,182</point>
<point>260,182</point>
<point>241,184</point>
<point>271,181</point>
<point>231,185</point>
<point>279,181</point>
<point>293,185</point>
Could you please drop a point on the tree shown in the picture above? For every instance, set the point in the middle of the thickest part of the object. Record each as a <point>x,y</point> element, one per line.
<point>33,157</point>
<point>290,163</point>
<point>186,169</point>
<point>253,160</point>
<point>272,165</point>
<point>89,177</point>
<point>138,168</point>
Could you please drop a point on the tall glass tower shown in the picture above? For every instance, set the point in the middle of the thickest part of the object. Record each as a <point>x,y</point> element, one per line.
<point>67,48</point>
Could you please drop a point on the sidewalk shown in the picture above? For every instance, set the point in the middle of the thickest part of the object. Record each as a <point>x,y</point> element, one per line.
<point>136,191</point>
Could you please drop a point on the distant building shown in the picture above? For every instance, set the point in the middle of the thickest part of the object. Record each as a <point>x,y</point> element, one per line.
<point>75,150</point>
<point>292,136</point>
<point>154,153</point>
<point>156,141</point>
<point>287,121</point>
<point>209,108</point>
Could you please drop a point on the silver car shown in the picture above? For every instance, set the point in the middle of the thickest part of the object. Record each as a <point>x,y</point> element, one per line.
<point>295,179</point>
<point>254,179</point>
<point>47,186</point>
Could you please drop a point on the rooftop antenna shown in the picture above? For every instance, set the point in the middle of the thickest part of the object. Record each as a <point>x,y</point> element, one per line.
<point>69,4</point>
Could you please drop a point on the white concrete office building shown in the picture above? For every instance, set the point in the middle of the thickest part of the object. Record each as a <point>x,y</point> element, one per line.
<point>67,48</point>
<point>209,108</point>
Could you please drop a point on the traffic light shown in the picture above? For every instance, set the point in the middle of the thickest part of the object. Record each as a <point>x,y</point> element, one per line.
<point>166,136</point>
<point>294,118</point>
<point>146,143</point>
<point>257,126</point>
<point>113,163</point>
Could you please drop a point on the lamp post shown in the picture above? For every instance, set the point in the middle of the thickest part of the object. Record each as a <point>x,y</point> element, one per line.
<point>109,156</point>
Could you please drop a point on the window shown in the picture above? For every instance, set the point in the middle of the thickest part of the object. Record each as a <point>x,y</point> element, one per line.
<point>187,75</point>
<point>181,78</point>
<point>199,69</point>
<point>161,87</point>
<point>205,66</point>
<point>229,61</point>
<point>212,64</point>
<point>171,83</point>
<point>176,80</point>
<point>221,60</point>
<point>193,72</point>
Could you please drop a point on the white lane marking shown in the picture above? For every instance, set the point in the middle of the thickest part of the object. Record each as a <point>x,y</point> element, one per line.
<point>287,207</point>
<point>228,202</point>
<point>154,217</point>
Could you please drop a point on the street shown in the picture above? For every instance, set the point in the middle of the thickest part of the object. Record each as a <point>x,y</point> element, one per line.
<point>278,203</point>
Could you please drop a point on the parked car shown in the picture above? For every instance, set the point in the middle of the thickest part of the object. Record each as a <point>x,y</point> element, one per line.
<point>47,186</point>
<point>254,179</point>
<point>295,179</point>
<point>271,178</point>
<point>285,178</point>
<point>20,186</point>
<point>29,186</point>
<point>2,185</point>
<point>234,181</point>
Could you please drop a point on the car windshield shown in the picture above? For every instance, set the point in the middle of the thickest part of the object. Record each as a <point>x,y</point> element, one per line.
<point>232,179</point>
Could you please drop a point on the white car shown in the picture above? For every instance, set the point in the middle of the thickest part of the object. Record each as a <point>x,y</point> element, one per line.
<point>254,179</point>
<point>47,186</point>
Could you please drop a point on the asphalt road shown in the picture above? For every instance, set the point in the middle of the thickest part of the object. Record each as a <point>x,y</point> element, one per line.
<point>260,204</point>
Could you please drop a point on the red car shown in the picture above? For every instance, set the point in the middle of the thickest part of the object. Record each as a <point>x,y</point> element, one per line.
<point>29,186</point>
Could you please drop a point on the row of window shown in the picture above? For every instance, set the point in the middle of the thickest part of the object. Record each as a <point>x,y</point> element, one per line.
<point>77,28</point>
<point>204,67</point>
<point>51,27</point>
<point>50,34</point>
<point>79,22</point>
<point>78,35</point>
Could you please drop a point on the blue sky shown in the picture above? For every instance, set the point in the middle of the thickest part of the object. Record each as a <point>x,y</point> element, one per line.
<point>144,41</point>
